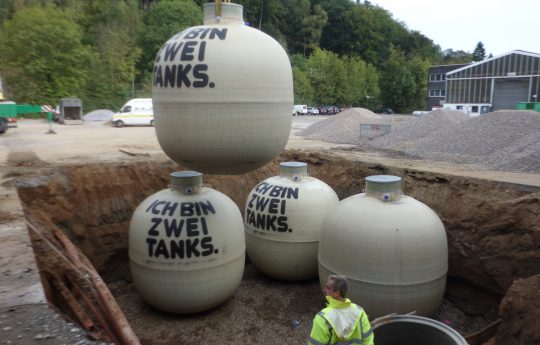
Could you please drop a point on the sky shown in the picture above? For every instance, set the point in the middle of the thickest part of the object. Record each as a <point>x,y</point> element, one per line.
<point>500,25</point>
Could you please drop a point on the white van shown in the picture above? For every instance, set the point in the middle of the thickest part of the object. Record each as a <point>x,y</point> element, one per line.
<point>300,109</point>
<point>138,111</point>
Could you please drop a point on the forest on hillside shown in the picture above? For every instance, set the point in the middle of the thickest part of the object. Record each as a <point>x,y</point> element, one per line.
<point>343,52</point>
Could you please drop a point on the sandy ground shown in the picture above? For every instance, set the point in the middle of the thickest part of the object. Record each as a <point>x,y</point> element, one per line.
<point>80,142</point>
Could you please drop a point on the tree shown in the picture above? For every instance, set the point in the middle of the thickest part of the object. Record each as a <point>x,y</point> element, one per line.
<point>456,57</point>
<point>404,82</point>
<point>311,29</point>
<point>111,28</point>
<point>164,19</point>
<point>303,92</point>
<point>327,76</point>
<point>479,52</point>
<point>46,60</point>
<point>362,84</point>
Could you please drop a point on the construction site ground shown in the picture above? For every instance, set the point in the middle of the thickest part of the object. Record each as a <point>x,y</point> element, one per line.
<point>263,310</point>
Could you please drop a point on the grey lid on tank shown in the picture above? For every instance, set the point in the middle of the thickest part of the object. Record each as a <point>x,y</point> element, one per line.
<point>186,179</point>
<point>230,13</point>
<point>385,187</point>
<point>293,168</point>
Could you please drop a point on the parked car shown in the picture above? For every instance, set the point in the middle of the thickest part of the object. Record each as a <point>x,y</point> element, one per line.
<point>313,111</point>
<point>332,110</point>
<point>384,110</point>
<point>11,122</point>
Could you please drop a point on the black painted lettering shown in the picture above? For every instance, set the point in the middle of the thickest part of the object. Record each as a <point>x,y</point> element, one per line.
<point>270,222</point>
<point>171,50</point>
<point>186,209</point>
<point>193,33</point>
<point>177,249</point>
<point>253,198</point>
<point>172,227</point>
<point>282,224</point>
<point>155,209</point>
<point>170,76</point>
<point>276,191</point>
<point>201,78</point>
<point>158,78</point>
<point>170,208</point>
<point>207,207</point>
<point>191,247</point>
<point>151,242</point>
<point>204,226</point>
<point>261,203</point>
<point>283,206</point>
<point>261,221</point>
<point>161,250</point>
<point>153,231</point>
<point>151,205</point>
<point>187,52</point>
<point>182,75</point>
<point>263,187</point>
<point>192,227</point>
<point>292,193</point>
<point>202,48</point>
<point>219,33</point>
<point>273,206</point>
<point>207,246</point>
<point>204,33</point>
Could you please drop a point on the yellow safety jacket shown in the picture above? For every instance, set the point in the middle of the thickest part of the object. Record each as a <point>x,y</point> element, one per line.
<point>341,323</point>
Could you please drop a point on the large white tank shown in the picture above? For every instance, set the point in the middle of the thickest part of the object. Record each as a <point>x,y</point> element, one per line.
<point>222,94</point>
<point>392,248</point>
<point>283,218</point>
<point>186,246</point>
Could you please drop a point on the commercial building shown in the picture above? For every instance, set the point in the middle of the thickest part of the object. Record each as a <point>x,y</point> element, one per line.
<point>492,84</point>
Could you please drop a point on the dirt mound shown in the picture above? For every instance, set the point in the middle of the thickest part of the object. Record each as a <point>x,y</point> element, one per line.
<point>343,128</point>
<point>520,310</point>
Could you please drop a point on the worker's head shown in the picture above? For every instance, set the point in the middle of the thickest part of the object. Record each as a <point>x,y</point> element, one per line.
<point>336,286</point>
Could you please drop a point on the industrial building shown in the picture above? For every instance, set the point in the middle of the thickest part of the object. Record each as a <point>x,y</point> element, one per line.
<point>492,84</point>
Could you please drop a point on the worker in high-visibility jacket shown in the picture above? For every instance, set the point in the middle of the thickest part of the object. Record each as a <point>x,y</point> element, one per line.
<point>341,322</point>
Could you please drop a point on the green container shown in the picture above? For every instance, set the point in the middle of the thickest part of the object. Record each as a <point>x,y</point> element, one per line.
<point>521,106</point>
<point>8,110</point>
<point>536,106</point>
<point>28,109</point>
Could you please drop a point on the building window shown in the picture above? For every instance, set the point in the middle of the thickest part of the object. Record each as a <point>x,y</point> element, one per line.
<point>437,93</point>
<point>474,109</point>
<point>437,77</point>
<point>459,107</point>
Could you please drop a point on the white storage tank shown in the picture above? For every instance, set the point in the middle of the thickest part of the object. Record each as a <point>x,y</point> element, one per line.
<point>283,219</point>
<point>222,94</point>
<point>392,248</point>
<point>186,246</point>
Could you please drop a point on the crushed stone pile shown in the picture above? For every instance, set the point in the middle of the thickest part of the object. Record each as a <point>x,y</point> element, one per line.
<point>404,135</point>
<point>342,128</point>
<point>506,140</point>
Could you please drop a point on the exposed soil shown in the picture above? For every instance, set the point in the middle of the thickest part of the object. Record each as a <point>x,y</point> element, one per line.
<point>493,233</point>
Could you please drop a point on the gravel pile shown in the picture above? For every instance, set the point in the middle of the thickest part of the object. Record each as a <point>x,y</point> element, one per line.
<point>506,140</point>
<point>342,128</point>
<point>405,135</point>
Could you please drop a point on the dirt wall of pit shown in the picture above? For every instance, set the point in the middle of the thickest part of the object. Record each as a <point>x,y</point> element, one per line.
<point>493,228</point>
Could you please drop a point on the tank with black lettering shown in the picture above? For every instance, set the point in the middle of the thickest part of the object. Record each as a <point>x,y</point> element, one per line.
<point>283,218</point>
<point>189,238</point>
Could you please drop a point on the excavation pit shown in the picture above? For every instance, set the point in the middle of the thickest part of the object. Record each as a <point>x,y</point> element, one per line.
<point>491,230</point>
